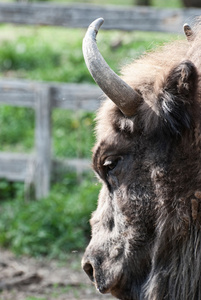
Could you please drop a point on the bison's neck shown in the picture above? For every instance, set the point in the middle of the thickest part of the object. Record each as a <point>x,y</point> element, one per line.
<point>176,270</point>
<point>176,263</point>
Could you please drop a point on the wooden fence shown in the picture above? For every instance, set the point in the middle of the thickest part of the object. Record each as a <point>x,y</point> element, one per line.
<point>43,97</point>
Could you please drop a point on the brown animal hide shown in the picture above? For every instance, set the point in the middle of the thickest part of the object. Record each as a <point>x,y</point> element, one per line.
<point>146,234</point>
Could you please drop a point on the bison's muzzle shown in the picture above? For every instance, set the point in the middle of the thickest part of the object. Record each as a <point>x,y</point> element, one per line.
<point>95,274</point>
<point>105,271</point>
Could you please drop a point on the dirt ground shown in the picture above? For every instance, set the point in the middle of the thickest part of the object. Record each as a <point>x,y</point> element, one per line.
<point>23,278</point>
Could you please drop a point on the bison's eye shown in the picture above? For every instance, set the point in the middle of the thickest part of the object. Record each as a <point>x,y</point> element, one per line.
<point>111,162</point>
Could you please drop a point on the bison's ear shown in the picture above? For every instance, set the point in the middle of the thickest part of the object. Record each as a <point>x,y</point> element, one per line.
<point>176,99</point>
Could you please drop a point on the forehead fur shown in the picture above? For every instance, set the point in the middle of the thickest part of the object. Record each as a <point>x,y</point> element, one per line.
<point>147,75</point>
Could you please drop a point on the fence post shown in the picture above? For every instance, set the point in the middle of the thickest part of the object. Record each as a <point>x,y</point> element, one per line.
<point>43,141</point>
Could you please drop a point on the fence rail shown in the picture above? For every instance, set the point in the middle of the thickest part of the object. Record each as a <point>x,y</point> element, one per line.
<point>43,97</point>
<point>62,95</point>
<point>81,15</point>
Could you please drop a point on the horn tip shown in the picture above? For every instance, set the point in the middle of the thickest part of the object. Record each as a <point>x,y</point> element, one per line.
<point>97,24</point>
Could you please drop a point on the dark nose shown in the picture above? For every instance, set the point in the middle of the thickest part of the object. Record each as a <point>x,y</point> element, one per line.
<point>88,268</point>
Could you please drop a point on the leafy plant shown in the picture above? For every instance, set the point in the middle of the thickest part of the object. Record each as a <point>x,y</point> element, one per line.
<point>31,53</point>
<point>34,298</point>
<point>17,128</point>
<point>73,133</point>
<point>53,226</point>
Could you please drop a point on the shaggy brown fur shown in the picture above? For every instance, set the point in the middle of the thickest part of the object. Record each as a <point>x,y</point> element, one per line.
<point>146,231</point>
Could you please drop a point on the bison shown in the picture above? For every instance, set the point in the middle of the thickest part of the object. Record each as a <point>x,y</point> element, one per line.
<point>146,231</point>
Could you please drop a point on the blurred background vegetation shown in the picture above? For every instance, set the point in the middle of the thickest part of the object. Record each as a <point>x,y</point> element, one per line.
<point>58,224</point>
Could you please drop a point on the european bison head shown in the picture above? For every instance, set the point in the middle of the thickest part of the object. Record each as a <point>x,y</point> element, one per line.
<point>146,238</point>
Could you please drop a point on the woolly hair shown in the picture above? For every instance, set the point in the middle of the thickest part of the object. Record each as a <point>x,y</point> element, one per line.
<point>147,75</point>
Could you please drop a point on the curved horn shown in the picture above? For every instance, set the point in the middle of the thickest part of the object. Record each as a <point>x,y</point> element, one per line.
<point>112,85</point>
<point>188,32</point>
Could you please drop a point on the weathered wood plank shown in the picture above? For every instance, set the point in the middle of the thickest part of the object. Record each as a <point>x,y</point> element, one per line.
<point>14,166</point>
<point>81,15</point>
<point>76,96</point>
<point>66,96</point>
<point>43,142</point>
<point>75,164</point>
<point>17,92</point>
<point>20,166</point>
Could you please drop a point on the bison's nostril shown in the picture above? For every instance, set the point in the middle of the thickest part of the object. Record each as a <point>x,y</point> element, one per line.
<point>89,270</point>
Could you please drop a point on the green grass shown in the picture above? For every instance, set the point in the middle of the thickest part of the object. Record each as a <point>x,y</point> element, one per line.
<point>30,53</point>
<point>72,131</point>
<point>17,129</point>
<point>34,298</point>
<point>54,226</point>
